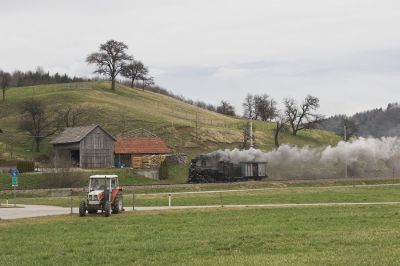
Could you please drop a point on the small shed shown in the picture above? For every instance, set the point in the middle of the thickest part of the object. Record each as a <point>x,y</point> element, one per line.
<point>85,147</point>
<point>133,151</point>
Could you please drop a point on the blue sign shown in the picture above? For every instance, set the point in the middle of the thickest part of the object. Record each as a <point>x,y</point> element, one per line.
<point>14,172</point>
<point>14,176</point>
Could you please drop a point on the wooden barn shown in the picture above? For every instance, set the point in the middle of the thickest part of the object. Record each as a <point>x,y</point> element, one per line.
<point>85,147</point>
<point>135,151</point>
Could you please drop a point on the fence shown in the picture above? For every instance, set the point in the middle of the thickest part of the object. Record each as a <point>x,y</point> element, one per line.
<point>353,192</point>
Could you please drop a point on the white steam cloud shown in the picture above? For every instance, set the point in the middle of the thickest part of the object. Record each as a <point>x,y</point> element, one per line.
<point>364,157</point>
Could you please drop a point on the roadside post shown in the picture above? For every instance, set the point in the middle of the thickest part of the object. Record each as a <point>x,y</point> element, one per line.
<point>169,200</point>
<point>133,201</point>
<point>14,182</point>
<point>71,202</point>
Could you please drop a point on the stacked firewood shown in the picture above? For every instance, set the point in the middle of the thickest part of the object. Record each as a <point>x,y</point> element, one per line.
<point>152,161</point>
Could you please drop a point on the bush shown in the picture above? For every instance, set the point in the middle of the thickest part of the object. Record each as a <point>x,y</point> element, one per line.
<point>26,166</point>
<point>163,171</point>
<point>64,178</point>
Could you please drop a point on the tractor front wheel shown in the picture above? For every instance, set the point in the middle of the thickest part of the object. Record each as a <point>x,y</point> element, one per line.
<point>107,209</point>
<point>117,207</point>
<point>82,209</point>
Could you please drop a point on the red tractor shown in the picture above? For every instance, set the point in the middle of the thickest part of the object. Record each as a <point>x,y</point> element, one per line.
<point>104,194</point>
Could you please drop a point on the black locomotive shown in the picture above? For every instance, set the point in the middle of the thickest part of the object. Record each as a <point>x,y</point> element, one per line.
<point>204,169</point>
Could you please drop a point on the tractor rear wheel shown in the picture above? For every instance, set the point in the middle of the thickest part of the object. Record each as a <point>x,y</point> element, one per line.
<point>82,209</point>
<point>107,209</point>
<point>117,207</point>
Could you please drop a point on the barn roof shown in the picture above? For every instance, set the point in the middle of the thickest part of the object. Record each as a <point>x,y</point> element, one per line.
<point>75,134</point>
<point>141,146</point>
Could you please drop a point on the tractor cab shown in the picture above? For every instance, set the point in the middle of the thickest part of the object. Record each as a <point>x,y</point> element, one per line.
<point>102,182</point>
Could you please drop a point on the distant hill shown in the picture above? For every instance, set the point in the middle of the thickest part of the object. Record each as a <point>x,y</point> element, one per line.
<point>185,128</point>
<point>372,123</point>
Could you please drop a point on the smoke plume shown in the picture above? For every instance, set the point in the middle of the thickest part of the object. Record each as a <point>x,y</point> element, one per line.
<point>364,157</point>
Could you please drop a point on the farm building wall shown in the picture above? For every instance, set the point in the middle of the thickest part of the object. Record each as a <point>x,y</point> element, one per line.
<point>62,154</point>
<point>97,150</point>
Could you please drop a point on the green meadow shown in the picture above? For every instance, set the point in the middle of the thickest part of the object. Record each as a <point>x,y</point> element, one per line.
<point>367,235</point>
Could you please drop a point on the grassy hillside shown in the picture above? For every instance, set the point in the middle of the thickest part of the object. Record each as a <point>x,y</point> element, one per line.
<point>128,109</point>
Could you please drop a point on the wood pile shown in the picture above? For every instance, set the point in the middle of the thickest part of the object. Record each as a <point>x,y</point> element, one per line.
<point>137,162</point>
<point>148,161</point>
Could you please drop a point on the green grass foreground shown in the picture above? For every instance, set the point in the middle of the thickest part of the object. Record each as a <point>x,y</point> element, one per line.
<point>306,236</point>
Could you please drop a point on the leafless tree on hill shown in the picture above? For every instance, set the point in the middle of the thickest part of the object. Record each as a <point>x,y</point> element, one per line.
<point>134,71</point>
<point>351,128</point>
<point>5,79</point>
<point>147,81</point>
<point>37,121</point>
<point>264,107</point>
<point>110,60</point>
<point>301,116</point>
<point>226,108</point>
<point>248,106</point>
<point>70,116</point>
<point>281,123</point>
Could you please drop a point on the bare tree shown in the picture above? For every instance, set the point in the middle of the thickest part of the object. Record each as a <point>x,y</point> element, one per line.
<point>264,107</point>
<point>350,127</point>
<point>226,109</point>
<point>281,123</point>
<point>5,79</point>
<point>303,116</point>
<point>70,116</point>
<point>147,82</point>
<point>110,59</point>
<point>37,121</point>
<point>135,70</point>
<point>248,106</point>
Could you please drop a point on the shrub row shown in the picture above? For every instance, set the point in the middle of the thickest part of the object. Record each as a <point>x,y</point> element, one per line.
<point>25,166</point>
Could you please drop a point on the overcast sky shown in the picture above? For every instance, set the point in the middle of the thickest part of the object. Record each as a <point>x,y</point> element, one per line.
<point>345,52</point>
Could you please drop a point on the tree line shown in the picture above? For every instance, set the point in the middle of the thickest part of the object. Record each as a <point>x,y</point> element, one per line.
<point>378,122</point>
<point>30,78</point>
<point>294,116</point>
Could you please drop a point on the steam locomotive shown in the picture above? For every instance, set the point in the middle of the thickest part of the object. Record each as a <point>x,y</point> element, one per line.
<point>204,169</point>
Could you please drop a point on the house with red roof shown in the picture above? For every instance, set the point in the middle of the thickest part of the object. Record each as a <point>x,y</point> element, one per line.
<point>130,151</point>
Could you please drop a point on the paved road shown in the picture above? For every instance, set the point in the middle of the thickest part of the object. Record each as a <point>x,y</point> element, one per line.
<point>28,211</point>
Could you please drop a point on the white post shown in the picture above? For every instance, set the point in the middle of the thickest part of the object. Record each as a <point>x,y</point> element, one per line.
<point>169,200</point>
<point>345,139</point>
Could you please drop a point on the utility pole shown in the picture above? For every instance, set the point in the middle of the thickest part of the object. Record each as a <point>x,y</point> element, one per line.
<point>345,163</point>
<point>251,132</point>
<point>197,125</point>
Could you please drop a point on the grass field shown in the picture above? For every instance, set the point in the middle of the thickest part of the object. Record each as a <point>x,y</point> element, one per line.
<point>295,194</point>
<point>306,236</point>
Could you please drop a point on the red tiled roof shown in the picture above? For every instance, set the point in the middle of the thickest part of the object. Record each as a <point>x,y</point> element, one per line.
<point>141,146</point>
